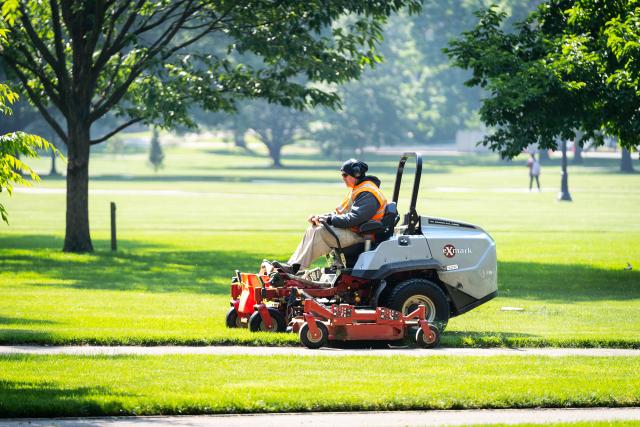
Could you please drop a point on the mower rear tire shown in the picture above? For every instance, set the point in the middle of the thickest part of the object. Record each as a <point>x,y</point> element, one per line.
<point>314,342</point>
<point>422,340</point>
<point>406,296</point>
<point>256,324</point>
<point>233,320</point>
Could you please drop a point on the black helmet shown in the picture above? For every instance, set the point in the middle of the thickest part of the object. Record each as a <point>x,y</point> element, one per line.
<point>355,168</point>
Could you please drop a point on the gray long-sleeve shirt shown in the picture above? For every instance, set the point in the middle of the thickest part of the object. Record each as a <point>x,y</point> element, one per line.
<point>364,207</point>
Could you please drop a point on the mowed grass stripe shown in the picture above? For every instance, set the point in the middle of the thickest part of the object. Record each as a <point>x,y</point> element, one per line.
<point>71,386</point>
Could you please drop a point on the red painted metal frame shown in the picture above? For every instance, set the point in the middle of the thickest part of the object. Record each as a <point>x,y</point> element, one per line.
<point>348,323</point>
<point>264,313</point>
<point>344,322</point>
<point>236,290</point>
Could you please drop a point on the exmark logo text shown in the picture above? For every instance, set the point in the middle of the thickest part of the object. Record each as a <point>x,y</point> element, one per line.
<point>450,251</point>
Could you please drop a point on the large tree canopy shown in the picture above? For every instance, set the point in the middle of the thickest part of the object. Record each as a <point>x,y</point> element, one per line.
<point>562,70</point>
<point>141,58</point>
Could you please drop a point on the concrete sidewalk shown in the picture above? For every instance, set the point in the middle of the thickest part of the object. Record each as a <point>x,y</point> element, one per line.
<point>353,419</point>
<point>302,351</point>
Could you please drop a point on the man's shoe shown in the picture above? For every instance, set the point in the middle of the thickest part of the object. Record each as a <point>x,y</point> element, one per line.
<point>286,268</point>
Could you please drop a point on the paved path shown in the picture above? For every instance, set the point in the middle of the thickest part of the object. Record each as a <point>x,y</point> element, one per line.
<point>301,351</point>
<point>354,419</point>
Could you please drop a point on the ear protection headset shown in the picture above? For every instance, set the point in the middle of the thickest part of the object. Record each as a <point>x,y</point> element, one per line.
<point>355,168</point>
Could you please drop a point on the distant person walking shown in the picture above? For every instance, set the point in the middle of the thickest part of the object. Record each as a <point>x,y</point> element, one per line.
<point>534,171</point>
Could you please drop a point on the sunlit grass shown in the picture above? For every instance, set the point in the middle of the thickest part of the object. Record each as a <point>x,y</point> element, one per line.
<point>71,386</point>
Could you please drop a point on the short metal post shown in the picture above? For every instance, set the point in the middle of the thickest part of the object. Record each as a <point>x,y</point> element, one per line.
<point>114,242</point>
<point>564,187</point>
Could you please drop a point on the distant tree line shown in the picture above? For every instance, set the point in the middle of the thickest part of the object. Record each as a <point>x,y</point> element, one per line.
<point>414,97</point>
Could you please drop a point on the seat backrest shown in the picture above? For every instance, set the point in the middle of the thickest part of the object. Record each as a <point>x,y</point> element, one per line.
<point>389,221</point>
<point>382,231</point>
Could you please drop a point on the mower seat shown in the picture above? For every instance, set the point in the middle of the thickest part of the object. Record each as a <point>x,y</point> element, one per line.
<point>381,230</point>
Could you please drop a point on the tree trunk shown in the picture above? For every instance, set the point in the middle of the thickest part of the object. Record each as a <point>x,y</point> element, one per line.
<point>577,149</point>
<point>577,156</point>
<point>238,138</point>
<point>564,191</point>
<point>239,130</point>
<point>626,165</point>
<point>55,141</point>
<point>54,170</point>
<point>77,236</point>
<point>275,150</point>
<point>543,155</point>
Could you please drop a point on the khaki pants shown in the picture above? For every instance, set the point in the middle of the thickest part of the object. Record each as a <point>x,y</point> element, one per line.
<point>317,241</point>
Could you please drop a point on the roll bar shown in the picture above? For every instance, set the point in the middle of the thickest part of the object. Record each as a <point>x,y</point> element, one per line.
<point>411,219</point>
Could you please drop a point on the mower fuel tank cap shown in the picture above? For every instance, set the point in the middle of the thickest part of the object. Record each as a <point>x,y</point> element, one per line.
<point>403,241</point>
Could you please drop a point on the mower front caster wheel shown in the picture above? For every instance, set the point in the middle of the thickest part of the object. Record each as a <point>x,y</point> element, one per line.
<point>256,324</point>
<point>317,341</point>
<point>425,342</point>
<point>233,320</point>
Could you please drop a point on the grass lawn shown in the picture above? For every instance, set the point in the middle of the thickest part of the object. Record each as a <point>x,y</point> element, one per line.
<point>70,385</point>
<point>183,231</point>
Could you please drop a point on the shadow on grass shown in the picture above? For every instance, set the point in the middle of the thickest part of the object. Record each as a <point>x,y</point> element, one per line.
<point>133,269</point>
<point>22,321</point>
<point>26,336</point>
<point>387,163</point>
<point>489,339</point>
<point>163,269</point>
<point>566,283</point>
<point>47,399</point>
<point>379,164</point>
<point>55,243</point>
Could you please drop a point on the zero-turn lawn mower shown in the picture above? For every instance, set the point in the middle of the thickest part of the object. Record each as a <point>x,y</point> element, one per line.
<point>447,266</point>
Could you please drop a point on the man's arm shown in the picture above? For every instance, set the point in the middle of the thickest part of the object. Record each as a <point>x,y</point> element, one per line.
<point>364,207</point>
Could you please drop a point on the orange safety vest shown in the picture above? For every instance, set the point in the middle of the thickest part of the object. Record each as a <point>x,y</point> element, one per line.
<point>369,187</point>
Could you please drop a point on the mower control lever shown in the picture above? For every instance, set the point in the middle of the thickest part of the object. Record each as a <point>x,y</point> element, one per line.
<point>263,291</point>
<point>343,259</point>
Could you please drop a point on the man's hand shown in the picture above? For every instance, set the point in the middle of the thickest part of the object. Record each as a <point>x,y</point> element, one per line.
<point>315,219</point>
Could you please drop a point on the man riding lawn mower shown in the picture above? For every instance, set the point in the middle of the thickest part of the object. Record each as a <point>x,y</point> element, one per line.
<point>365,202</point>
<point>425,270</point>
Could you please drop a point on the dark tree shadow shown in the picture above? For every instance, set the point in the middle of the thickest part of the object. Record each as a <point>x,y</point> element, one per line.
<point>134,269</point>
<point>25,336</point>
<point>379,164</point>
<point>164,269</point>
<point>566,283</point>
<point>4,320</point>
<point>47,399</point>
